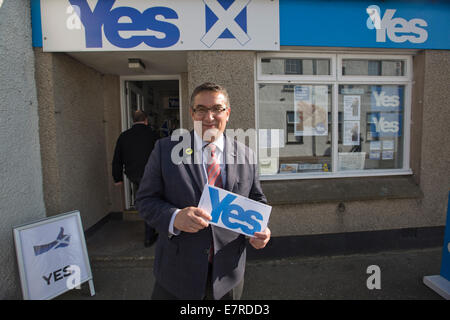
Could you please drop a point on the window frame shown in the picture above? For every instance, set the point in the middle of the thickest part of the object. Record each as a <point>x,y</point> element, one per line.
<point>408,67</point>
<point>335,79</point>
<point>287,77</point>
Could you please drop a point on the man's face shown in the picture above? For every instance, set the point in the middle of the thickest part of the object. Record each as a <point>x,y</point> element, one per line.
<point>205,110</point>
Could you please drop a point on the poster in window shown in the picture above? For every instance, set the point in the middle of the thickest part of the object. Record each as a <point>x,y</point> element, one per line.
<point>375,145</point>
<point>387,155</point>
<point>386,98</point>
<point>374,155</point>
<point>352,108</point>
<point>288,168</point>
<point>351,160</point>
<point>351,133</point>
<point>311,110</point>
<point>388,145</point>
<point>385,124</point>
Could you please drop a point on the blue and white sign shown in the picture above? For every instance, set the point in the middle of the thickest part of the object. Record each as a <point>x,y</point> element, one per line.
<point>234,212</point>
<point>115,25</point>
<point>374,24</point>
<point>386,98</point>
<point>445,265</point>
<point>385,124</point>
<point>441,283</point>
<point>226,19</point>
<point>52,256</point>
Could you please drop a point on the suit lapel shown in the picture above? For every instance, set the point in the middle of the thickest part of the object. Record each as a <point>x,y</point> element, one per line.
<point>194,164</point>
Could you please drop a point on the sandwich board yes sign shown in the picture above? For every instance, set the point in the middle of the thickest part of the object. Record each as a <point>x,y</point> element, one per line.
<point>52,256</point>
<point>234,212</point>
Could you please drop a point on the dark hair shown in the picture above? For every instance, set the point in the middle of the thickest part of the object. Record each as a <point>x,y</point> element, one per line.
<point>139,116</point>
<point>212,87</point>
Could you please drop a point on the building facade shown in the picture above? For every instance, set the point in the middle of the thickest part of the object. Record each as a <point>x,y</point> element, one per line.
<point>345,103</point>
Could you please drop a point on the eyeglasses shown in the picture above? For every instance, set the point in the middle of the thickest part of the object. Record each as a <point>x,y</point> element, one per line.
<point>201,111</point>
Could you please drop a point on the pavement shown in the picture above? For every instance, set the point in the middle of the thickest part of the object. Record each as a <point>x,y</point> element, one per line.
<point>122,269</point>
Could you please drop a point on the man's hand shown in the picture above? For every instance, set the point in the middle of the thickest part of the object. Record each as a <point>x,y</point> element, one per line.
<point>261,239</point>
<point>191,219</point>
<point>118,184</point>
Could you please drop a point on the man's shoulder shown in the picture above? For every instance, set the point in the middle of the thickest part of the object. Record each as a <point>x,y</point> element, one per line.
<point>167,142</point>
<point>128,132</point>
<point>138,130</point>
<point>242,153</point>
<point>238,145</point>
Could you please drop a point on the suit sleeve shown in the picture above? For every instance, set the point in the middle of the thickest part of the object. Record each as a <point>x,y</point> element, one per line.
<point>117,163</point>
<point>256,192</point>
<point>150,200</point>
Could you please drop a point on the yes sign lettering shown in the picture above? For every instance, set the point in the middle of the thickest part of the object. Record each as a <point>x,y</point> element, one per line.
<point>143,27</point>
<point>386,98</point>
<point>234,212</point>
<point>228,212</point>
<point>382,100</point>
<point>397,29</point>
<point>385,125</point>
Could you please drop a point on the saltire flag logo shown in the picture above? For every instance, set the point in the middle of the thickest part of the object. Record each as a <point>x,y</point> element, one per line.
<point>62,240</point>
<point>226,19</point>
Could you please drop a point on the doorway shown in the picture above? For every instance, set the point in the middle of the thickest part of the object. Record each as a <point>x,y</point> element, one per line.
<point>160,99</point>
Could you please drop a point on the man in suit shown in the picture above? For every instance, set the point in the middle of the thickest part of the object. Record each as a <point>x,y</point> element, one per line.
<point>132,151</point>
<point>195,260</point>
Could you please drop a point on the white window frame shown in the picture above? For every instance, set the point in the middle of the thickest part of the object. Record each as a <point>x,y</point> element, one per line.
<point>290,77</point>
<point>335,79</point>
<point>406,77</point>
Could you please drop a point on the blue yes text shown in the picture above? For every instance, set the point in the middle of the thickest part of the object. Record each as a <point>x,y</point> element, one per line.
<point>127,19</point>
<point>234,216</point>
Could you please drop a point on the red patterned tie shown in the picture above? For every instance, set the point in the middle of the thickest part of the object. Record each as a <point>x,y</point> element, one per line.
<point>213,170</point>
<point>214,179</point>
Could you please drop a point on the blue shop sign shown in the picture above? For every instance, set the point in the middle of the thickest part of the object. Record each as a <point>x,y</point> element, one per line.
<point>413,24</point>
<point>410,24</point>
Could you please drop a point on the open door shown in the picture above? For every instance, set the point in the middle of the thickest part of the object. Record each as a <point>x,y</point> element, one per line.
<point>160,100</point>
<point>134,100</point>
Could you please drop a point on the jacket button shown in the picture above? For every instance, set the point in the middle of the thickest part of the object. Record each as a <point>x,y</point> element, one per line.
<point>207,251</point>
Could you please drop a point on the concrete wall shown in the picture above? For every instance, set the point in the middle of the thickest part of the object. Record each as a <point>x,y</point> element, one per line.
<point>80,113</point>
<point>235,71</point>
<point>113,128</point>
<point>435,150</point>
<point>21,195</point>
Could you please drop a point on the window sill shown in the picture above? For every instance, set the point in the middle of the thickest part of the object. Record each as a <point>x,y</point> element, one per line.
<point>289,192</point>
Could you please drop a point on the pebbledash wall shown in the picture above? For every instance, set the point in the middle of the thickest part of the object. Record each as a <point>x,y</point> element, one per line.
<point>60,119</point>
<point>21,193</point>
<point>79,110</point>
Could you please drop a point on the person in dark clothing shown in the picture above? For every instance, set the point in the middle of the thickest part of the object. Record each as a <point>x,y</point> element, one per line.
<point>133,148</point>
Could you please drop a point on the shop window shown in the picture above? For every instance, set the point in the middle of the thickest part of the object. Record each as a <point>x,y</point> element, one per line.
<point>373,126</point>
<point>352,122</point>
